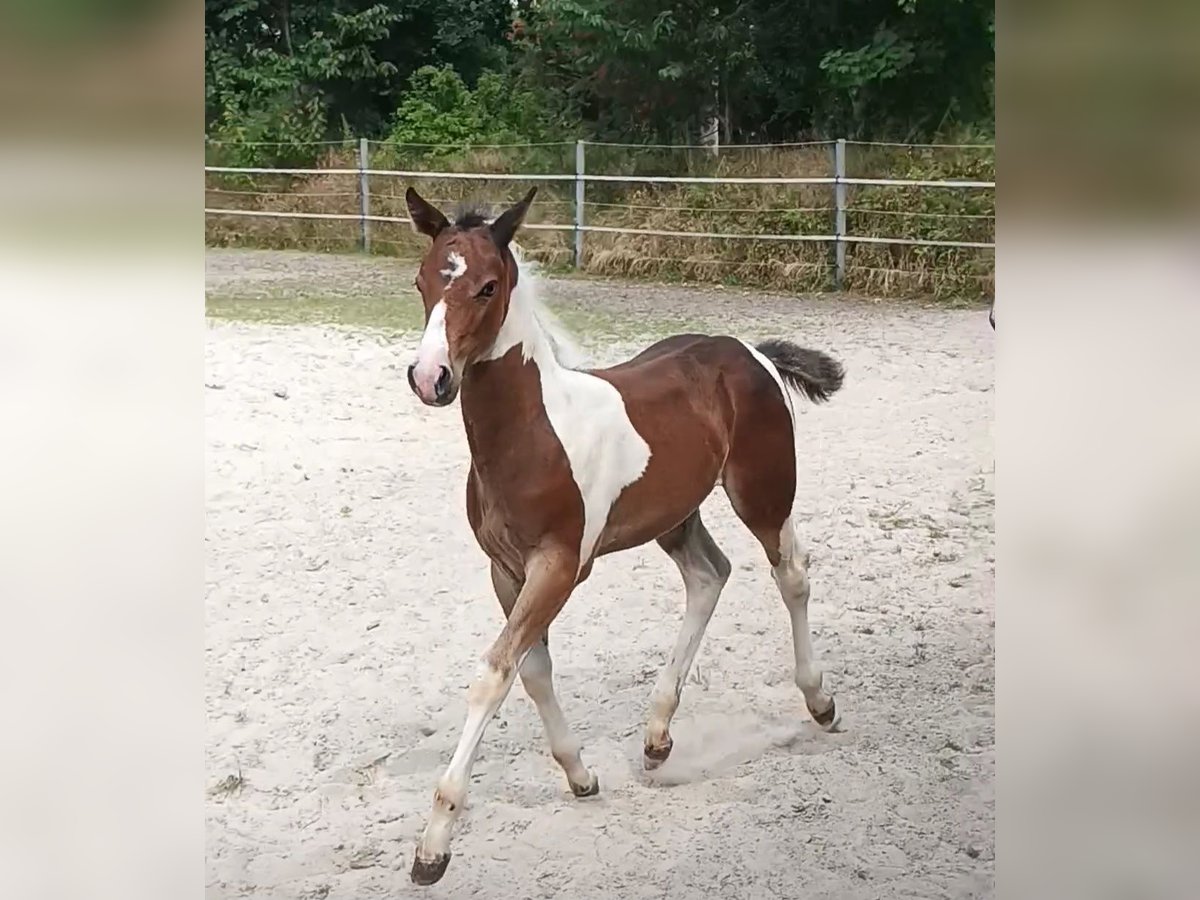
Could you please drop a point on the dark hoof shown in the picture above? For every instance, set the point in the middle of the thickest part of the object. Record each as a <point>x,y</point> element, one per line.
<point>586,790</point>
<point>656,756</point>
<point>427,873</point>
<point>827,719</point>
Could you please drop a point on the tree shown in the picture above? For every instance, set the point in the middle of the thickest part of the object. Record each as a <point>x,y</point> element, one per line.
<point>872,68</point>
<point>343,64</point>
<point>639,69</point>
<point>661,70</point>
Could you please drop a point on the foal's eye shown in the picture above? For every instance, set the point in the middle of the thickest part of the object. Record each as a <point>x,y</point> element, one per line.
<point>489,290</point>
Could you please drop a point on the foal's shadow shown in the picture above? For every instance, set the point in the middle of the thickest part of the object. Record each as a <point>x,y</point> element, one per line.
<point>712,745</point>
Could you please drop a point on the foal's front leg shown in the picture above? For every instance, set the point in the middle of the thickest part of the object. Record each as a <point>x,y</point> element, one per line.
<point>549,579</point>
<point>705,569</point>
<point>537,675</point>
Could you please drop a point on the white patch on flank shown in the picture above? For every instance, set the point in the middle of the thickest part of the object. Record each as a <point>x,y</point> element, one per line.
<point>774,372</point>
<point>456,267</point>
<point>785,540</point>
<point>588,415</point>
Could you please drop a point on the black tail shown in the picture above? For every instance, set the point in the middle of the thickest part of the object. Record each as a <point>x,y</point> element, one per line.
<point>814,374</point>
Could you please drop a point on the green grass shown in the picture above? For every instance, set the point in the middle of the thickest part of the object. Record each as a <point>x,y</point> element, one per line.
<point>401,312</point>
<point>394,313</point>
<point>593,325</point>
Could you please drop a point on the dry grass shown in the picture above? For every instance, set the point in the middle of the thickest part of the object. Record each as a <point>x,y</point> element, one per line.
<point>228,786</point>
<point>950,274</point>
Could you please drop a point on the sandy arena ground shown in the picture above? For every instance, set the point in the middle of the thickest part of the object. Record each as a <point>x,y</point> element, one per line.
<point>347,606</point>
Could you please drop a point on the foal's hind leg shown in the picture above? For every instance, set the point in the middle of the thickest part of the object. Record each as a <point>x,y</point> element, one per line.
<point>791,576</point>
<point>537,677</point>
<point>762,499</point>
<point>705,569</point>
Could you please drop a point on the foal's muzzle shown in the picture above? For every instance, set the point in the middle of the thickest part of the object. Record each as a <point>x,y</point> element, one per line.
<point>443,387</point>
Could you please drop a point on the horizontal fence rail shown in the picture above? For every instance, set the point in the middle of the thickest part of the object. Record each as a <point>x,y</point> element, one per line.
<point>602,229</point>
<point>632,179</point>
<point>839,181</point>
<point>355,217</point>
<point>731,236</point>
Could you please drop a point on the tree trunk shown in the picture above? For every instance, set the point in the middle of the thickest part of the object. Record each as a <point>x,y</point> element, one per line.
<point>286,15</point>
<point>710,119</point>
<point>727,121</point>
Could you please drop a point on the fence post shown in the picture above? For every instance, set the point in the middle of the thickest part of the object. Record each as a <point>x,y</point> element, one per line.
<point>579,204</point>
<point>364,194</point>
<point>839,225</point>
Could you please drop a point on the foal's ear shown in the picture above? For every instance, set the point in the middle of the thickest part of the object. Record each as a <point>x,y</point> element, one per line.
<point>426,218</point>
<point>510,220</point>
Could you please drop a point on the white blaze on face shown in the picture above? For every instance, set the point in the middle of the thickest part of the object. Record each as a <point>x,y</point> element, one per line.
<point>456,267</point>
<point>433,352</point>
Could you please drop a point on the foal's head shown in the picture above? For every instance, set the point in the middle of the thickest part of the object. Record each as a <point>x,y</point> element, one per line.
<point>466,279</point>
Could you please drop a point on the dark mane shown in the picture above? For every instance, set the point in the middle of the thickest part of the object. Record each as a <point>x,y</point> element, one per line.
<point>471,215</point>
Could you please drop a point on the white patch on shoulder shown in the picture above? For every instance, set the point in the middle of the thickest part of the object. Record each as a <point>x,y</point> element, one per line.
<point>605,451</point>
<point>774,372</point>
<point>588,415</point>
<point>456,267</point>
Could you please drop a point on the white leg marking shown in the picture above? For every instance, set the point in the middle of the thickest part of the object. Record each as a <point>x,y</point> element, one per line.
<point>705,570</point>
<point>484,698</point>
<point>791,576</point>
<point>537,676</point>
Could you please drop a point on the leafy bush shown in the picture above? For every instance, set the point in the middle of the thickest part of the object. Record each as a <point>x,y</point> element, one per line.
<point>439,109</point>
<point>278,130</point>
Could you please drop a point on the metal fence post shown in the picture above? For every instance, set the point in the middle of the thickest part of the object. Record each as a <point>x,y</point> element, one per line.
<point>364,195</point>
<point>839,225</point>
<point>579,204</point>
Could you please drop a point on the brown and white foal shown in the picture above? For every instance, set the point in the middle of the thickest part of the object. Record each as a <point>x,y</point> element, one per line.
<point>569,465</point>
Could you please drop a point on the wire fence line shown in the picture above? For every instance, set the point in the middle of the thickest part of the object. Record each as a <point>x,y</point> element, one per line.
<point>923,146</point>
<point>785,222</point>
<point>603,229</point>
<point>347,142</point>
